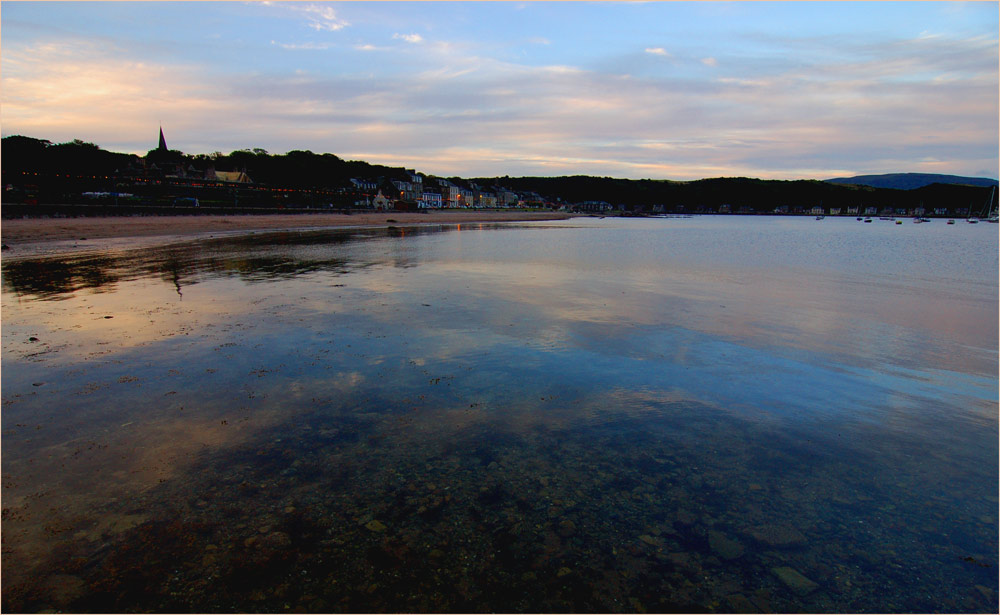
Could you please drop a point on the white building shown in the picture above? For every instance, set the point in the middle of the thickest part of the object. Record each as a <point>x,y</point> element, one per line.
<point>381,202</point>
<point>430,200</point>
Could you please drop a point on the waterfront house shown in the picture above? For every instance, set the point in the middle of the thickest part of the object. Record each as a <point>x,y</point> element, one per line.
<point>506,198</point>
<point>451,195</point>
<point>380,202</point>
<point>417,180</point>
<point>409,190</point>
<point>430,200</point>
<point>365,185</point>
<point>237,177</point>
<point>485,199</point>
<point>593,206</point>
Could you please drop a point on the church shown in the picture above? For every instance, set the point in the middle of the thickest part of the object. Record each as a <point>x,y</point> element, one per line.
<point>164,163</point>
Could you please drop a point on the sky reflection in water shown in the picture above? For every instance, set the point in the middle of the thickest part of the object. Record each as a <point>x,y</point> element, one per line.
<point>593,415</point>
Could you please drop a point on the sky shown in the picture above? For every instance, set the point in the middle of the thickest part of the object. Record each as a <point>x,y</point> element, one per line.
<point>661,90</point>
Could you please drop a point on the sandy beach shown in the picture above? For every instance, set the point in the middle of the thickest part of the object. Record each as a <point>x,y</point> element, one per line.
<point>32,236</point>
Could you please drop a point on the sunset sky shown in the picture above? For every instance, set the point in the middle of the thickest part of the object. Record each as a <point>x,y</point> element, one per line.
<point>638,90</point>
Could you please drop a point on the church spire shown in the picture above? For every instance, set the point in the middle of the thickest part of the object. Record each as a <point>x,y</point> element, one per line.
<point>163,142</point>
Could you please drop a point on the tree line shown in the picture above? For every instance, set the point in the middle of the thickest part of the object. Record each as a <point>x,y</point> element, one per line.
<point>305,170</point>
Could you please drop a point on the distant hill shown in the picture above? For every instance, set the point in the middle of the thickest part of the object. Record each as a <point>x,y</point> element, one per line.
<point>910,181</point>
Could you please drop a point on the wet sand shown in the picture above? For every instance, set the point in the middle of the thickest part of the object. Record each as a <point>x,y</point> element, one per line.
<point>33,236</point>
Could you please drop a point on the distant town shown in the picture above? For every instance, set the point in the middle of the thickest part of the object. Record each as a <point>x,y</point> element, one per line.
<point>80,178</point>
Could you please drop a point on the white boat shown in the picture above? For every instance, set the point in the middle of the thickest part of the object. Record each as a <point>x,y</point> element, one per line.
<point>990,215</point>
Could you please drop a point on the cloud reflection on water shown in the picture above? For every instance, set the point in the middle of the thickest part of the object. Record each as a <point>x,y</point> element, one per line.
<point>362,342</point>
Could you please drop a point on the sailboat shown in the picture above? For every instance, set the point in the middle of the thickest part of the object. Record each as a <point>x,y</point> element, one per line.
<point>992,215</point>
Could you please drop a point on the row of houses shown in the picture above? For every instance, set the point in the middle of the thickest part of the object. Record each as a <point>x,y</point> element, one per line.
<point>444,193</point>
<point>372,193</point>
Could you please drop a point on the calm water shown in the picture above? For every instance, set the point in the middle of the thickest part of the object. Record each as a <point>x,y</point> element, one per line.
<point>706,414</point>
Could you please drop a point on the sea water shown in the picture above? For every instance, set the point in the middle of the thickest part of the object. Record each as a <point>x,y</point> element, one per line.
<point>716,413</point>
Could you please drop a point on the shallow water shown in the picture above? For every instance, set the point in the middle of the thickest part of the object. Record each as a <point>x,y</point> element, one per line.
<point>703,414</point>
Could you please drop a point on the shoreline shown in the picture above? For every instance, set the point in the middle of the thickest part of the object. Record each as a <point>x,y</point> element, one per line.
<point>23,237</point>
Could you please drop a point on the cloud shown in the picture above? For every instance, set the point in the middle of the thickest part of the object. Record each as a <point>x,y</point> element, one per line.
<point>709,61</point>
<point>72,88</point>
<point>303,46</point>
<point>794,107</point>
<point>321,17</point>
<point>409,38</point>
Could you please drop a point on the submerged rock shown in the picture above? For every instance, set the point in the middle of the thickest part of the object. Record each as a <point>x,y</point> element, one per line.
<point>277,540</point>
<point>985,592</point>
<point>376,526</point>
<point>63,589</point>
<point>778,535</point>
<point>738,603</point>
<point>794,580</point>
<point>724,547</point>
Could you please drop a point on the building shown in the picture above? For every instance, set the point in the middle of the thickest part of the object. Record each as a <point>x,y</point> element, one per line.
<point>238,177</point>
<point>454,196</point>
<point>485,199</point>
<point>430,200</point>
<point>164,163</point>
<point>594,206</point>
<point>506,198</point>
<point>381,202</point>
<point>365,185</point>
<point>408,190</point>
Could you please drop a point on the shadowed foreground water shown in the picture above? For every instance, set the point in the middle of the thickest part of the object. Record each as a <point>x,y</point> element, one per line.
<point>709,414</point>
